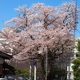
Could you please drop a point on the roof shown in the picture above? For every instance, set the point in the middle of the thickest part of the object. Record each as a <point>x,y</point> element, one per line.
<point>5,56</point>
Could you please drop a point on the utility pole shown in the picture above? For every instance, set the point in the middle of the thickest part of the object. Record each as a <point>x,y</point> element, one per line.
<point>30,74</point>
<point>35,70</point>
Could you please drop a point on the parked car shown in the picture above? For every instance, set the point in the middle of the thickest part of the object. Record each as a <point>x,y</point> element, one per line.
<point>21,78</point>
<point>11,77</point>
<point>2,78</point>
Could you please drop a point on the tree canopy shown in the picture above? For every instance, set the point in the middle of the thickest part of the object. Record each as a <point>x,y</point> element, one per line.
<point>41,26</point>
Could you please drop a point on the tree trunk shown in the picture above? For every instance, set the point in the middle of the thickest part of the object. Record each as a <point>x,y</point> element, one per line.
<point>43,69</point>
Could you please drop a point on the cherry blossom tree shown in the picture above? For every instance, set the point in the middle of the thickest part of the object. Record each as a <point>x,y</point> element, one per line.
<point>40,27</point>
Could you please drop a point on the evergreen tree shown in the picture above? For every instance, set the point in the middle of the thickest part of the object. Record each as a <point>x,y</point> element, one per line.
<point>76,62</point>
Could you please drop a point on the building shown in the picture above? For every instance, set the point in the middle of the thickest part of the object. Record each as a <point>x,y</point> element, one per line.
<point>3,57</point>
<point>70,75</point>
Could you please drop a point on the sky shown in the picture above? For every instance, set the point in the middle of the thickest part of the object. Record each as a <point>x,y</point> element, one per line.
<point>7,9</point>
